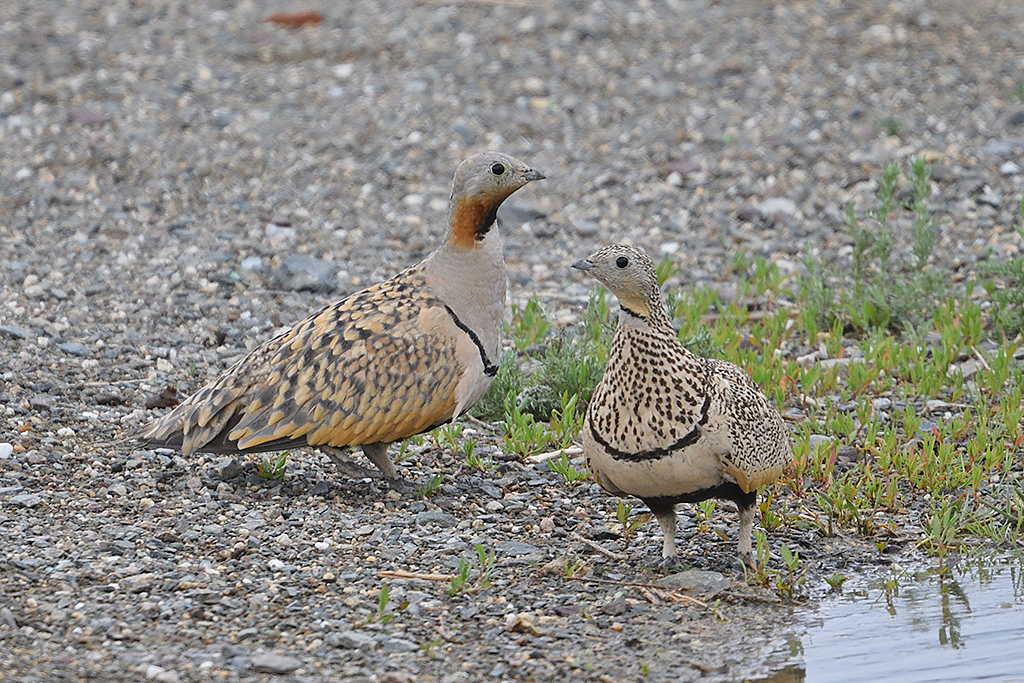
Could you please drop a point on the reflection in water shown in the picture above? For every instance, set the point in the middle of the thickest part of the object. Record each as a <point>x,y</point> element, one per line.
<point>965,626</point>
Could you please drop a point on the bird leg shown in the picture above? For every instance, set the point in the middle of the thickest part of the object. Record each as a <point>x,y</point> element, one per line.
<point>344,465</point>
<point>378,455</point>
<point>746,522</point>
<point>666,516</point>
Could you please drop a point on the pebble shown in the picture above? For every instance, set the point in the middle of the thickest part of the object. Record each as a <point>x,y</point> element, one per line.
<point>773,206</point>
<point>399,645</point>
<point>1009,168</point>
<point>882,403</point>
<point>435,517</point>
<point>5,450</point>
<point>815,440</point>
<point>350,640</point>
<point>301,273</point>
<point>28,500</point>
<point>516,548</point>
<point>697,580</point>
<point>274,664</point>
<point>15,332</point>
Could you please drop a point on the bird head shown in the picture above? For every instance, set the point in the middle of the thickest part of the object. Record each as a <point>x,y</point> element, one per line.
<point>482,182</point>
<point>629,274</point>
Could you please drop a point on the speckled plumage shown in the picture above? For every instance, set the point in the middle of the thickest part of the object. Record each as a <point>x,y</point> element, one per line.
<point>388,362</point>
<point>666,425</point>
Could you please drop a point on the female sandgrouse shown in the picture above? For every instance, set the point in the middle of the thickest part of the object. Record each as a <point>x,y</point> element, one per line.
<point>666,425</point>
<point>391,361</point>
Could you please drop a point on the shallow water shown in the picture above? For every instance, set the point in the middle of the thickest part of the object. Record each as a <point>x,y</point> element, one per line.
<point>968,626</point>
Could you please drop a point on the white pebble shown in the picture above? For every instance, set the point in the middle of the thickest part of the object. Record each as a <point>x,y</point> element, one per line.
<point>275,565</point>
<point>5,450</point>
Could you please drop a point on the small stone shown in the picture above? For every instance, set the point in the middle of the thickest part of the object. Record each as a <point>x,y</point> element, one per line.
<point>547,525</point>
<point>303,273</point>
<point>814,440</point>
<point>349,640</point>
<point>86,116</point>
<point>989,198</point>
<point>516,548</point>
<point>435,517</point>
<point>14,332</point>
<point>5,450</point>
<point>1009,168</point>
<point>275,565</point>
<point>399,645</point>
<point>617,607</point>
<point>697,580</point>
<point>74,348</point>
<point>881,403</point>
<point>152,671</point>
<point>494,506</point>
<point>274,664</point>
<point>138,583</point>
<point>27,500</point>
<point>774,206</point>
<point>227,469</point>
<point>1017,119</point>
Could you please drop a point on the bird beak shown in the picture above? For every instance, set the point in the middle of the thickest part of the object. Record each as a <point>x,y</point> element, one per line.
<point>533,174</point>
<point>583,264</point>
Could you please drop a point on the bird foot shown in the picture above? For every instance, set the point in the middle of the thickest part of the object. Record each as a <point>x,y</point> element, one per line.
<point>400,485</point>
<point>352,469</point>
<point>670,562</point>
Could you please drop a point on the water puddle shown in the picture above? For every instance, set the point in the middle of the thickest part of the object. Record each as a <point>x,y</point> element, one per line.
<point>919,628</point>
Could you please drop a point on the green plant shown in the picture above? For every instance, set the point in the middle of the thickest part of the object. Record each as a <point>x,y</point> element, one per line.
<point>530,325</point>
<point>791,579</point>
<point>881,290</point>
<point>1008,298</point>
<point>891,125</point>
<point>382,616</point>
<point>431,487</point>
<point>448,435</point>
<point>629,523</point>
<point>570,474</point>
<point>836,581</point>
<point>474,459</point>
<point>523,435</point>
<point>273,466</point>
<point>484,565</point>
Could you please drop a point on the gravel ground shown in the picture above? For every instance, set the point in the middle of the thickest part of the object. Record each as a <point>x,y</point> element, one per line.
<point>179,180</point>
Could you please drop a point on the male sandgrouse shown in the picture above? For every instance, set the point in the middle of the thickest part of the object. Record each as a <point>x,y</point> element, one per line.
<point>666,425</point>
<point>393,360</point>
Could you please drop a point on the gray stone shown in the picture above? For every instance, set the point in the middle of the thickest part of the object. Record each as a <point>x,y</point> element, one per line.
<point>774,206</point>
<point>993,199</point>
<point>305,274</point>
<point>815,439</point>
<point>399,645</point>
<point>349,640</point>
<point>28,500</point>
<point>435,517</point>
<point>270,663</point>
<point>228,468</point>
<point>1009,168</point>
<point>14,332</point>
<point>697,580</point>
<point>515,548</point>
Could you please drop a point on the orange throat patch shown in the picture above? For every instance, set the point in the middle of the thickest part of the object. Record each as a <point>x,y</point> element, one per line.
<point>472,219</point>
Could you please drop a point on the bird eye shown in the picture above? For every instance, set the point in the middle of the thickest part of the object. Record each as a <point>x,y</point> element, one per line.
<point>498,169</point>
<point>622,262</point>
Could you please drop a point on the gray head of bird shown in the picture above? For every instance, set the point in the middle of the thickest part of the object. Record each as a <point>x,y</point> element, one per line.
<point>630,275</point>
<point>482,182</point>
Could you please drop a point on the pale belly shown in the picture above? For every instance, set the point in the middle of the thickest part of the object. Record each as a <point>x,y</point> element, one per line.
<point>686,471</point>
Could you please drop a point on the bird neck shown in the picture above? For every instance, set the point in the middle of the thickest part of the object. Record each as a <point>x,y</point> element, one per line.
<point>471,218</point>
<point>641,312</point>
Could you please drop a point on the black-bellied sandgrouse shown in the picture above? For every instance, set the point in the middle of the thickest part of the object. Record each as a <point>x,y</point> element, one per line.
<point>668,426</point>
<point>396,359</point>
